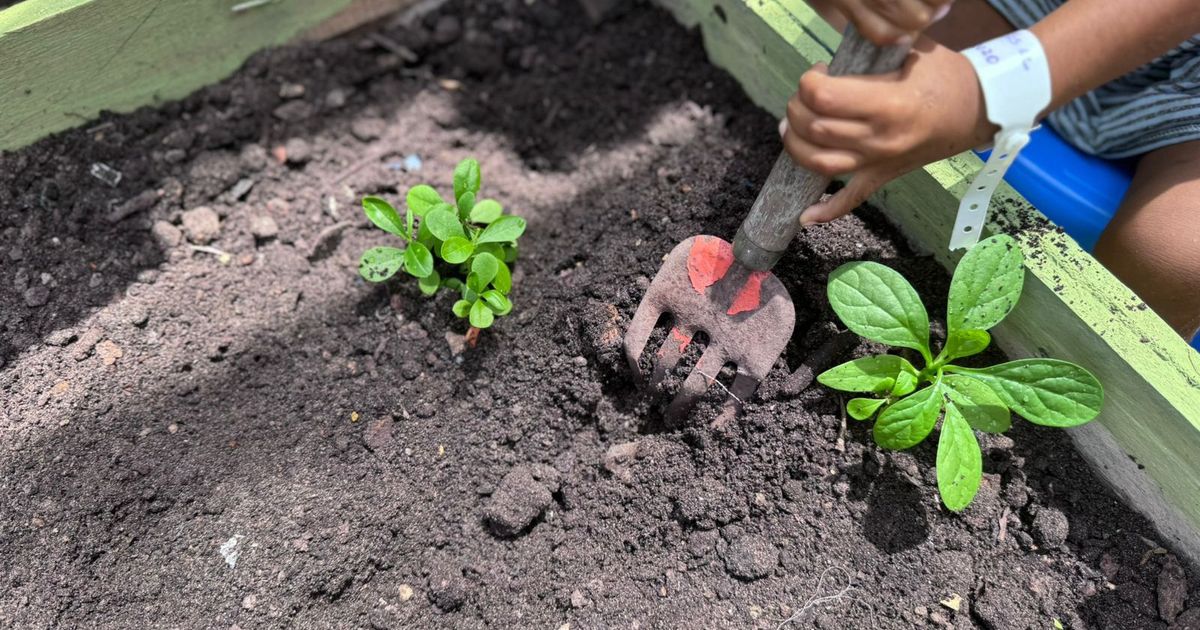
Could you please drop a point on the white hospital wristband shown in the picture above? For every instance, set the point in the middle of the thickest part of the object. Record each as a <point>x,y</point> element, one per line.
<point>1015,79</point>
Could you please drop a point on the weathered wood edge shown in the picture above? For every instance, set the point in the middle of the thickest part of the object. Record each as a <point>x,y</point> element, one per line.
<point>1146,443</point>
<point>62,62</point>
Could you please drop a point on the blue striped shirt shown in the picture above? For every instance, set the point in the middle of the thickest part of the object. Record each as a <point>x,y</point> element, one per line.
<point>1152,107</point>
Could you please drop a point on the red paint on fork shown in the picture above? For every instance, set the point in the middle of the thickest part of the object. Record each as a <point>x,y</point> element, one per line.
<point>683,339</point>
<point>749,297</point>
<point>708,261</point>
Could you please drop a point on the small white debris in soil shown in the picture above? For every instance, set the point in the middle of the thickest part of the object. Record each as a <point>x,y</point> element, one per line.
<point>291,90</point>
<point>954,602</point>
<point>405,591</point>
<point>229,550</point>
<point>172,428</point>
<point>250,601</point>
<point>106,174</point>
<point>413,163</point>
<point>450,85</point>
<point>755,611</point>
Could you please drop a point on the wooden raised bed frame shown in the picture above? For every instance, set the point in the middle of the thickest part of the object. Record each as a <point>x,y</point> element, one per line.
<point>62,62</point>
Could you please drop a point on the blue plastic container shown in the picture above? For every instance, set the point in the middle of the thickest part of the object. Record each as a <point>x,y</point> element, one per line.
<point>1079,192</point>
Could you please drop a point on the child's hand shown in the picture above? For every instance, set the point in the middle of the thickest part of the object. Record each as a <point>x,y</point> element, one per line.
<point>892,21</point>
<point>883,126</point>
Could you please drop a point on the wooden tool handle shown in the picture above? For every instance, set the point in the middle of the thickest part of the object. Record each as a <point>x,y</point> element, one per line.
<point>775,217</point>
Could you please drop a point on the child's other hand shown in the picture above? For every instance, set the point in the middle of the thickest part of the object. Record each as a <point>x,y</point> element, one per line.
<point>892,21</point>
<point>880,127</point>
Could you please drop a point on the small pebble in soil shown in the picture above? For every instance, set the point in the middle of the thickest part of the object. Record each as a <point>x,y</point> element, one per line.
<point>60,337</point>
<point>202,225</point>
<point>447,589</point>
<point>1050,527</point>
<point>579,600</point>
<point>137,316</point>
<point>263,227</point>
<point>1004,609</point>
<point>618,458</point>
<point>1172,590</point>
<point>130,207</point>
<point>36,296</point>
<point>405,592</point>
<point>293,111</point>
<point>86,343</point>
<point>517,502</point>
<point>1189,620</point>
<point>166,235</point>
<point>367,129</point>
<point>457,343</point>
<point>335,99</point>
<point>297,151</point>
<point>751,557</point>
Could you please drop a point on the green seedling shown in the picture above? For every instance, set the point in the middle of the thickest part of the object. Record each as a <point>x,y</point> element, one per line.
<point>879,304</point>
<point>465,246</point>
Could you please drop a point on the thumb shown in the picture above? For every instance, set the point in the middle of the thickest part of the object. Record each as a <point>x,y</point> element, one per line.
<point>861,186</point>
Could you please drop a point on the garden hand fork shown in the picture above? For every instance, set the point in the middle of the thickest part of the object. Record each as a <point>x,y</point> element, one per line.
<point>727,290</point>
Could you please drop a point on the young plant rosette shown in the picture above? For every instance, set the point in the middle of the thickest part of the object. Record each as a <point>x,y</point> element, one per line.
<point>876,302</point>
<point>465,246</point>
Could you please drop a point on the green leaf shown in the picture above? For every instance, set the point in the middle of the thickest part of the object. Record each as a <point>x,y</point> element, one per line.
<point>486,211</point>
<point>454,284</point>
<point>408,219</point>
<point>497,302</point>
<point>469,294</point>
<point>467,178</point>
<point>878,303</point>
<point>475,284</point>
<point>959,461</point>
<point>965,343</point>
<point>430,284</point>
<point>503,230</point>
<point>481,316</point>
<point>1048,392</point>
<point>383,215</point>
<point>876,374</point>
<point>426,238</point>
<point>510,253</point>
<point>443,223</point>
<point>423,198</point>
<point>495,249</point>
<point>418,261</point>
<point>380,263</point>
<point>465,204</point>
<point>905,423</point>
<point>456,250</point>
<point>864,408</point>
<point>503,279</point>
<point>906,382</point>
<point>986,285</point>
<point>461,308</point>
<point>979,405</point>
<point>486,267</point>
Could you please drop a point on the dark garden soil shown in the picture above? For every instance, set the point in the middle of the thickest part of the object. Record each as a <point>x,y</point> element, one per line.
<point>250,436</point>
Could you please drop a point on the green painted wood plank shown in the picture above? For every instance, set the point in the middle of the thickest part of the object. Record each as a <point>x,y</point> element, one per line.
<point>1072,307</point>
<point>62,62</point>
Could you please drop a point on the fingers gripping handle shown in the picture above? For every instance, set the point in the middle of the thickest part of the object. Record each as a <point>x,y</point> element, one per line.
<point>774,219</point>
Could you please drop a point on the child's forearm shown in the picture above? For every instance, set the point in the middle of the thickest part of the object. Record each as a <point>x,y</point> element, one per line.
<point>1091,42</point>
